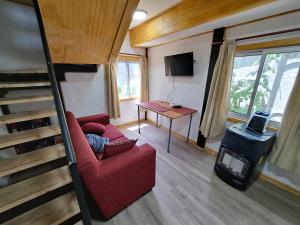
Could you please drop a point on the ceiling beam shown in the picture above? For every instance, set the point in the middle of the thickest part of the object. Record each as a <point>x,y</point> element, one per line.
<point>187,14</point>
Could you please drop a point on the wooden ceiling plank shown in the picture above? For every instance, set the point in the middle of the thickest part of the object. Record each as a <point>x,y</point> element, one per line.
<point>86,31</point>
<point>187,14</point>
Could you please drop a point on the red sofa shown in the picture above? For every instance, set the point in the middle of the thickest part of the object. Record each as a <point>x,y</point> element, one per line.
<point>114,182</point>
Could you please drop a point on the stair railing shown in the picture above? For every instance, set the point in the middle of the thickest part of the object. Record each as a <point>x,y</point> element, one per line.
<point>85,216</point>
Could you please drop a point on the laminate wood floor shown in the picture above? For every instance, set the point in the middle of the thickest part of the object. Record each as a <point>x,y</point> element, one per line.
<point>187,192</point>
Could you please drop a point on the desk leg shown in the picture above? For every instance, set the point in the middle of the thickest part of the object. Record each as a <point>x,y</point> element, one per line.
<point>139,119</point>
<point>156,119</point>
<point>170,131</point>
<point>188,134</point>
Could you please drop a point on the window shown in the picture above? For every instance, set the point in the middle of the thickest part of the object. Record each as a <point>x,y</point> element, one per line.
<point>262,81</point>
<point>128,79</point>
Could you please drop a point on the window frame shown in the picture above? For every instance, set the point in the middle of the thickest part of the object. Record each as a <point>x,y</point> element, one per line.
<point>263,53</point>
<point>127,61</point>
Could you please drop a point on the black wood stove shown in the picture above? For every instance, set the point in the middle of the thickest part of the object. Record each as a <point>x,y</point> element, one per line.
<point>242,155</point>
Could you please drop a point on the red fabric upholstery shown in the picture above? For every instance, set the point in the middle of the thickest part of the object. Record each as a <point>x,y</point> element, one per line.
<point>117,147</point>
<point>99,118</point>
<point>124,178</point>
<point>115,182</point>
<point>120,139</point>
<point>99,156</point>
<point>93,128</point>
<point>112,133</point>
<point>86,159</point>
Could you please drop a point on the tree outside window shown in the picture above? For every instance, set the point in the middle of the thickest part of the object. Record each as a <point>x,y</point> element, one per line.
<point>262,81</point>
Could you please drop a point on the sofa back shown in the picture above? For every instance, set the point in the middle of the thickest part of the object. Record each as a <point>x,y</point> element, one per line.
<point>86,159</point>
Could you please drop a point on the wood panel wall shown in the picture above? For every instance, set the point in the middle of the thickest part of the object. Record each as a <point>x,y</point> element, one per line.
<point>86,31</point>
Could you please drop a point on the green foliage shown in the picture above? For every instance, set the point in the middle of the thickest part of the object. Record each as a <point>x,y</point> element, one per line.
<point>241,90</point>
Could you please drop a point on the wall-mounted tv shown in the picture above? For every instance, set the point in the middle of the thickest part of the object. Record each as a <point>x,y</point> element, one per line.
<point>180,65</point>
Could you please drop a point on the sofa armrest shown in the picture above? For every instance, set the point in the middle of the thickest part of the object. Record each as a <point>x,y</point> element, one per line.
<point>123,178</point>
<point>98,118</point>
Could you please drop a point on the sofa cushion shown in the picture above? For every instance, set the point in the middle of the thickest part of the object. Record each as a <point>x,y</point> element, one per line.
<point>117,147</point>
<point>96,142</point>
<point>100,155</point>
<point>112,132</point>
<point>93,128</point>
<point>119,139</point>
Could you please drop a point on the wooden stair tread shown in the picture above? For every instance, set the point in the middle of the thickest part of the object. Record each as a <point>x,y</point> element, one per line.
<point>24,116</point>
<point>31,159</point>
<point>53,212</point>
<point>8,140</point>
<point>25,99</point>
<point>21,192</point>
<point>24,84</point>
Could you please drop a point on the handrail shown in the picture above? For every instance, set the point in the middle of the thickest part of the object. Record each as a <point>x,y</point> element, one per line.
<point>63,124</point>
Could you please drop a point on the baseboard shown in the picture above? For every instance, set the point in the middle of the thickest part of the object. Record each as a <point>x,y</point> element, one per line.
<point>280,185</point>
<point>213,153</point>
<point>127,124</point>
<point>210,151</point>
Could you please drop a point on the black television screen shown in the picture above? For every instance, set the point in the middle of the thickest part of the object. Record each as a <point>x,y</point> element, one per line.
<point>180,65</point>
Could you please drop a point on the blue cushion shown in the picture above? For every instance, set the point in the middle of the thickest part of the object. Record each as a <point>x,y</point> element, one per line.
<point>96,142</point>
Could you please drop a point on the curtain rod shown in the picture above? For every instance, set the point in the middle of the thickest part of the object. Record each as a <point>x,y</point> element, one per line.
<point>268,34</point>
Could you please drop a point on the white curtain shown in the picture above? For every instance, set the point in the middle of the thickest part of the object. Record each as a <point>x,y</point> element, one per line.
<point>215,116</point>
<point>144,89</point>
<point>113,105</point>
<point>286,151</point>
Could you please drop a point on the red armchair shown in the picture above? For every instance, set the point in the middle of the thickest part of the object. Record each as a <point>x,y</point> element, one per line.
<point>115,182</point>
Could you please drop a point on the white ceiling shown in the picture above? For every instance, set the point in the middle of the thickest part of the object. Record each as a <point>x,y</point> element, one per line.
<point>153,7</point>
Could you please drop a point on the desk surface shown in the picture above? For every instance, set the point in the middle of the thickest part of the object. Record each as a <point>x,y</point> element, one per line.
<point>163,108</point>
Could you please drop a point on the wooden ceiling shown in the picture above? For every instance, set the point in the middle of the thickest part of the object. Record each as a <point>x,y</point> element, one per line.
<point>187,14</point>
<point>86,31</point>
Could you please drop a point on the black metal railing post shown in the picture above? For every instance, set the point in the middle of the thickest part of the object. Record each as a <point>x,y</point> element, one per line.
<point>63,124</point>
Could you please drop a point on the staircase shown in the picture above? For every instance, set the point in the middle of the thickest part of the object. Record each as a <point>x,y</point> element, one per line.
<point>39,188</point>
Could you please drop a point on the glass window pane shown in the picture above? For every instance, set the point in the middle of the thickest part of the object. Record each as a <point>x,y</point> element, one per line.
<point>276,82</point>
<point>134,79</point>
<point>243,79</point>
<point>122,80</point>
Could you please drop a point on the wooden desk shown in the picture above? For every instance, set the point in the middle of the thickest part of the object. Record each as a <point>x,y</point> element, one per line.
<point>164,109</point>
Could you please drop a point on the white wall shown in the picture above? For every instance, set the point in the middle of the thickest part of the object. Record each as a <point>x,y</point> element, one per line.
<point>126,47</point>
<point>20,40</point>
<point>190,90</point>
<point>85,93</point>
<point>274,24</point>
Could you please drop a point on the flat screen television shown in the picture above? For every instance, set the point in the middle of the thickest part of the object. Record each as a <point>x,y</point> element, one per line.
<point>180,65</point>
